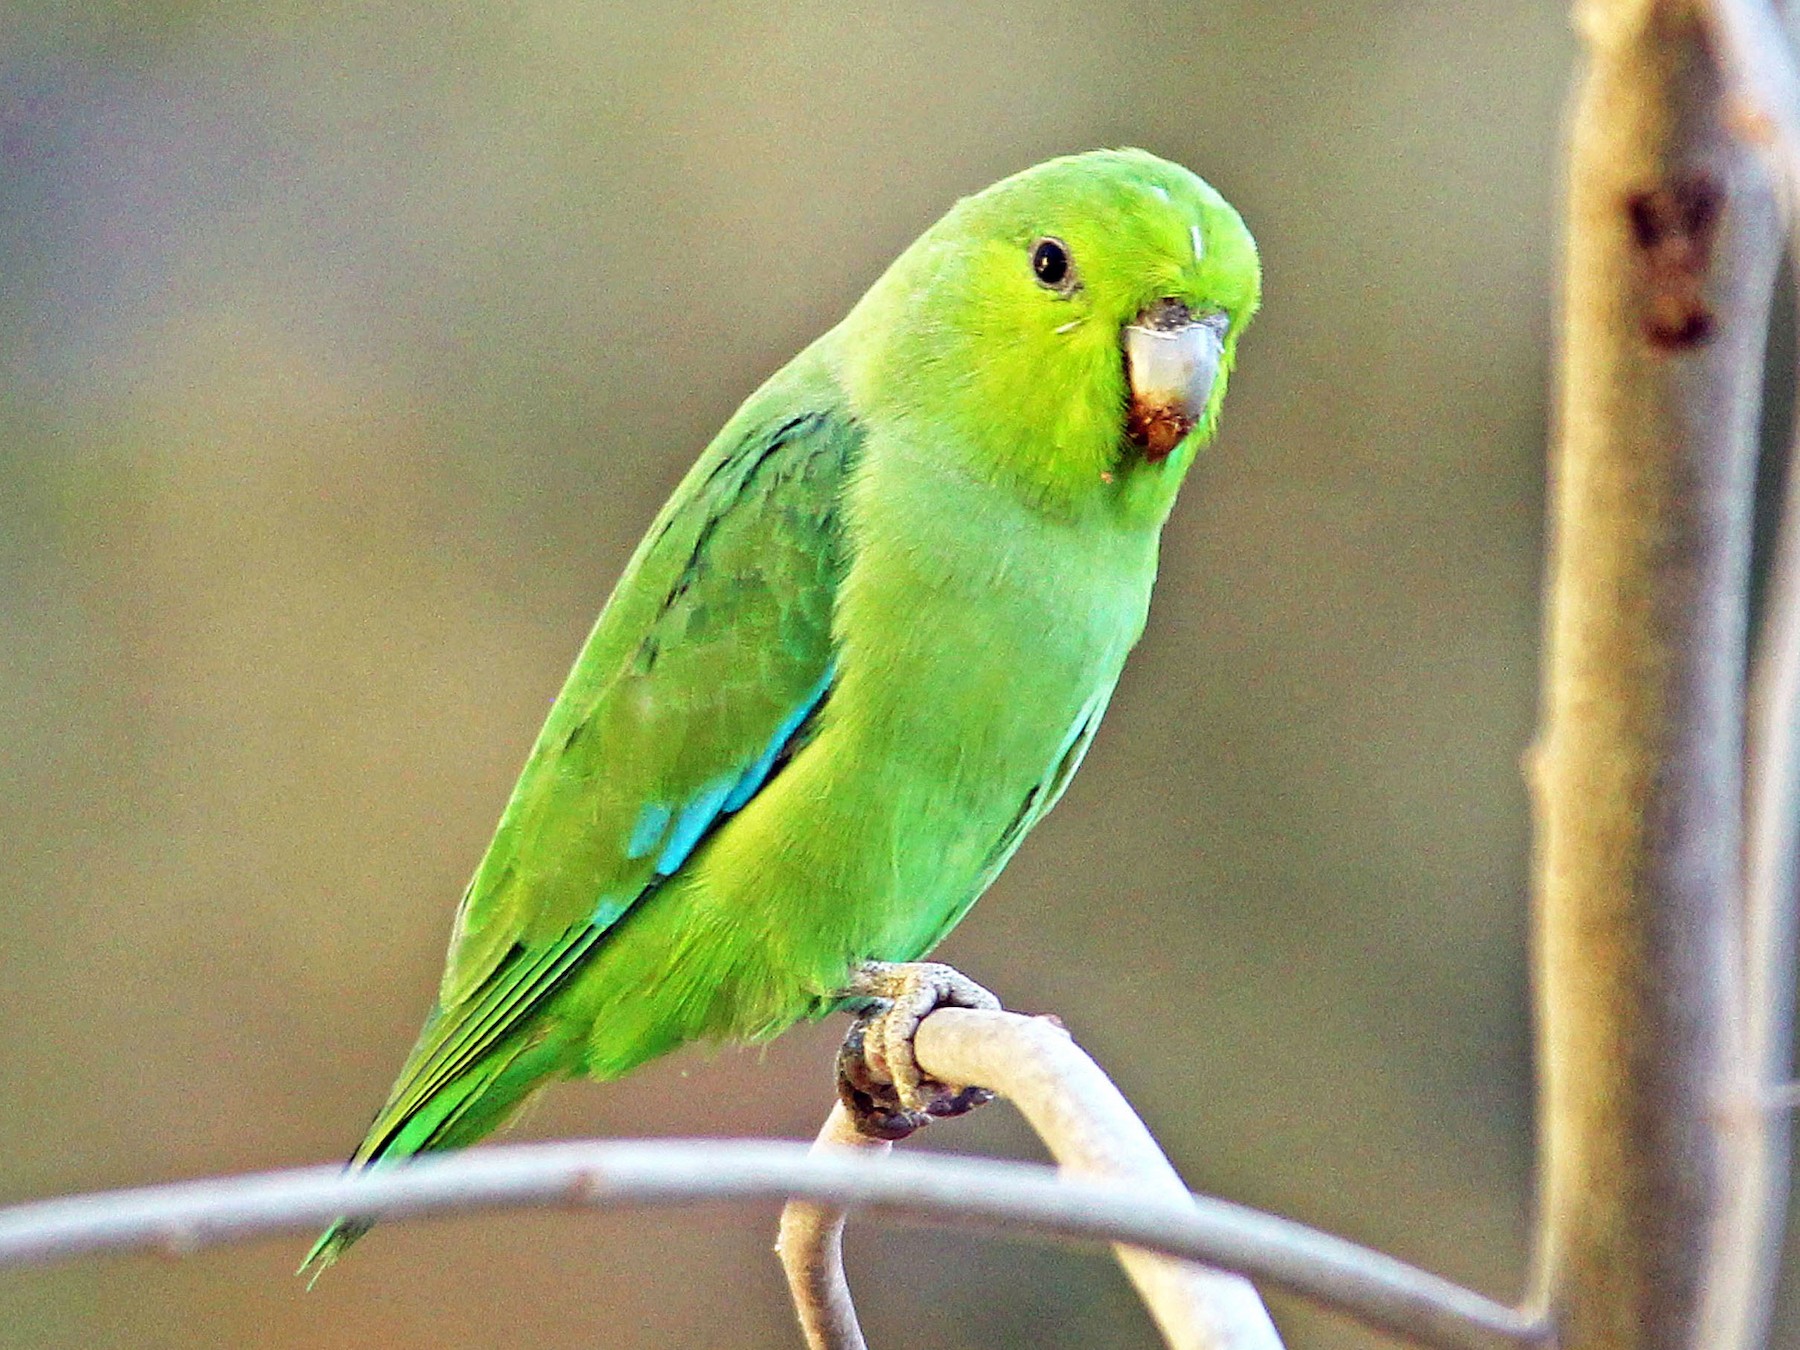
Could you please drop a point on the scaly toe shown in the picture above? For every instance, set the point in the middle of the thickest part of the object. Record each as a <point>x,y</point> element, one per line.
<point>873,1103</point>
<point>879,1079</point>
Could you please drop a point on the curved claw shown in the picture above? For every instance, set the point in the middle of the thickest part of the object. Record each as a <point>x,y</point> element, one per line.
<point>875,1107</point>
<point>879,1079</point>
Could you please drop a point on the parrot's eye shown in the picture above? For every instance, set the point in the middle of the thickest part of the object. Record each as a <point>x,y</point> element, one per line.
<point>1050,263</point>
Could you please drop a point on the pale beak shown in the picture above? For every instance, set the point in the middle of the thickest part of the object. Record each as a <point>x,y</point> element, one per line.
<point>1171,363</point>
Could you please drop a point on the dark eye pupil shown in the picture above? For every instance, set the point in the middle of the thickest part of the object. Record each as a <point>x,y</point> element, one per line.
<point>1050,261</point>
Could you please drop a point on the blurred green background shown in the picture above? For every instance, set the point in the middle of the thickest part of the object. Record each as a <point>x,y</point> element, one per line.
<point>345,350</point>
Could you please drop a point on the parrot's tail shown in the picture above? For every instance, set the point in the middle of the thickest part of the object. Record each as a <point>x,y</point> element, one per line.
<point>331,1244</point>
<point>458,1113</point>
<point>474,1065</point>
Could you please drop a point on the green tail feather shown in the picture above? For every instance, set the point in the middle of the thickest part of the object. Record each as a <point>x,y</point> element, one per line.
<point>459,1113</point>
<point>331,1245</point>
<point>426,1131</point>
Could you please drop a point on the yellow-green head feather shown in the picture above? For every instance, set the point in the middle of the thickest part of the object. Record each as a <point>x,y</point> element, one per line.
<point>965,333</point>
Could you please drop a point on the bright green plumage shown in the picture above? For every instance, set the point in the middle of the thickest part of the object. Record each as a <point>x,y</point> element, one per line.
<point>855,659</point>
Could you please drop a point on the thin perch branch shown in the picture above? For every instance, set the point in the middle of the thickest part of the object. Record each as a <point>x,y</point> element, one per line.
<point>1088,1127</point>
<point>176,1219</point>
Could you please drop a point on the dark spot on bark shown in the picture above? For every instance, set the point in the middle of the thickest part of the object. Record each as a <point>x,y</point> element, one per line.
<point>1674,227</point>
<point>587,1187</point>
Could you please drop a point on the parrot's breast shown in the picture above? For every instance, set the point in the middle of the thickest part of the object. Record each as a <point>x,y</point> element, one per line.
<point>978,641</point>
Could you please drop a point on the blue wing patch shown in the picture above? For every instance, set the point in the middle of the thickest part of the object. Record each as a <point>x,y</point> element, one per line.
<point>611,909</point>
<point>721,797</point>
<point>695,819</point>
<point>750,782</point>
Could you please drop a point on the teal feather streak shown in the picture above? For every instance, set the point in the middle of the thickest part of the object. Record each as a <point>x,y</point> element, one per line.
<point>758,773</point>
<point>695,819</point>
<point>722,797</point>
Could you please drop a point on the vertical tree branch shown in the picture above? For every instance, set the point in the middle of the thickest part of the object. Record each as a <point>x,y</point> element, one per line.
<point>1758,1129</point>
<point>1765,88</point>
<point>1669,264</point>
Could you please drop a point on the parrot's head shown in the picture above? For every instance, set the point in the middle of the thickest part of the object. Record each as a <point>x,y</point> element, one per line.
<point>1074,324</point>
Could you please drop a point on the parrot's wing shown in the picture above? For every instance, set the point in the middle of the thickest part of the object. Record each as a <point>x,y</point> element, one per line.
<point>697,684</point>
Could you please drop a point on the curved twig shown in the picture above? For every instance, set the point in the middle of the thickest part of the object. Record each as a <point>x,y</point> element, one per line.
<point>811,1247</point>
<point>1089,1128</point>
<point>1376,1289</point>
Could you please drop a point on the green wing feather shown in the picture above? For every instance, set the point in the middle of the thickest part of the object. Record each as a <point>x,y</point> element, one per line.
<point>692,688</point>
<point>719,629</point>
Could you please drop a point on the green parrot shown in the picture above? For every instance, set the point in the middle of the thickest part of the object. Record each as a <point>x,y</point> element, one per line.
<point>856,658</point>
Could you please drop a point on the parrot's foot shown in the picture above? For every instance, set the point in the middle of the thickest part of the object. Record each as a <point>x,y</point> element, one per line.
<point>879,1079</point>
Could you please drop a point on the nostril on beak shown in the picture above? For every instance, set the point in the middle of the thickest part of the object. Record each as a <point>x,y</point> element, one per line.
<point>1165,315</point>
